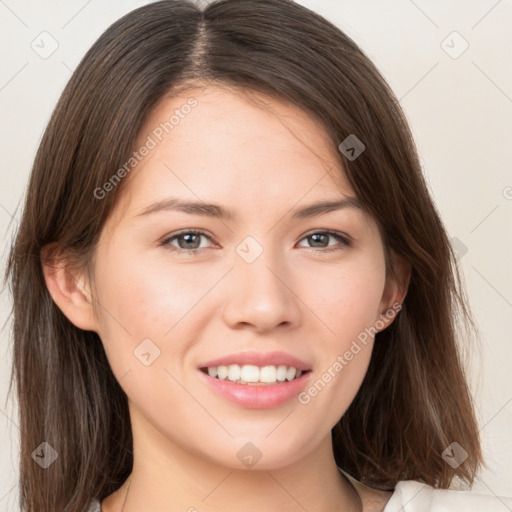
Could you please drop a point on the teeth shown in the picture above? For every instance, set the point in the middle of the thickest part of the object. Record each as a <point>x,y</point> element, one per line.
<point>222,372</point>
<point>290,373</point>
<point>267,374</point>
<point>251,374</point>
<point>281,373</point>
<point>234,372</point>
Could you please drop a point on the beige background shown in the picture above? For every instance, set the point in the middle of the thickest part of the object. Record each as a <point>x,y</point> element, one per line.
<point>460,110</point>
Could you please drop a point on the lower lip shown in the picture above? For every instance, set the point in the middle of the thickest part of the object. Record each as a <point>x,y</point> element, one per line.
<point>257,397</point>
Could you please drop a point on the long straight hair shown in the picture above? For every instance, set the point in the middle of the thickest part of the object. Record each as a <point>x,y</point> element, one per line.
<point>414,400</point>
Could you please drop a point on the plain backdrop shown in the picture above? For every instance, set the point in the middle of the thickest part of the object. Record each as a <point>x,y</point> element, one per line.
<point>449,63</point>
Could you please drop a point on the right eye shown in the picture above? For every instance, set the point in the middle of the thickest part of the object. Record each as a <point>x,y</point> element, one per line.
<point>189,241</point>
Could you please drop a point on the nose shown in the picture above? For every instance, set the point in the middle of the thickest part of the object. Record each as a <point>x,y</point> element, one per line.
<point>260,296</point>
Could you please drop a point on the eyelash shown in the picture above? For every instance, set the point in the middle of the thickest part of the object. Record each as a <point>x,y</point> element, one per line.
<point>344,239</point>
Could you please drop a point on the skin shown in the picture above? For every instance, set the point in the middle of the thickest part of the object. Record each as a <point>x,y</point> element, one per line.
<point>261,163</point>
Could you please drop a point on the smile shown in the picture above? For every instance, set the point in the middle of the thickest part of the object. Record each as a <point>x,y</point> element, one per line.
<point>253,375</point>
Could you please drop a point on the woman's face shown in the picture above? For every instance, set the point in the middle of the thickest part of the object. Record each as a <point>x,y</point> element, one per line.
<point>266,275</point>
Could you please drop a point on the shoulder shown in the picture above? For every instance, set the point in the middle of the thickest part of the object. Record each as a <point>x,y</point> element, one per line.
<point>414,496</point>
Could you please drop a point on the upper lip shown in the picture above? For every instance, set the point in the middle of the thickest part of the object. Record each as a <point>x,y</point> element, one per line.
<point>258,359</point>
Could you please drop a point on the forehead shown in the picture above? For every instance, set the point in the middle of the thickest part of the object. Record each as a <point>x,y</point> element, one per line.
<point>234,146</point>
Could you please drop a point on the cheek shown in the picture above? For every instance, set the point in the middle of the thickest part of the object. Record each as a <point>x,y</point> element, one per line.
<point>136,304</point>
<point>144,318</point>
<point>346,298</point>
<point>347,301</point>
<point>142,295</point>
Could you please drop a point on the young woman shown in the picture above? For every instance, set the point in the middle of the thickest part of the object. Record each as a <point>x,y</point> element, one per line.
<point>231,286</point>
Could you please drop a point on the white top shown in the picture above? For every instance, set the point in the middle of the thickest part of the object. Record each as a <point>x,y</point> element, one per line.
<point>413,496</point>
<point>94,506</point>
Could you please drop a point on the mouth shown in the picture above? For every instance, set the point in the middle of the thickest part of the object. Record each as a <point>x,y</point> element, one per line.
<point>252,375</point>
<point>245,386</point>
<point>255,379</point>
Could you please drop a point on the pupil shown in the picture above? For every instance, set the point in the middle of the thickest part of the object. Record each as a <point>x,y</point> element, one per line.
<point>317,235</point>
<point>187,240</point>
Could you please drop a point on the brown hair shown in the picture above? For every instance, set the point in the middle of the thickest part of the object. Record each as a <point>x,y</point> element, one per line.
<point>414,400</point>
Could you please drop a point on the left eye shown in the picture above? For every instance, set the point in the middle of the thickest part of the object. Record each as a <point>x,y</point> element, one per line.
<point>190,241</point>
<point>321,236</point>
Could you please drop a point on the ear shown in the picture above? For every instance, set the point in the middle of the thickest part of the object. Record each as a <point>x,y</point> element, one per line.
<point>69,289</point>
<point>395,290</point>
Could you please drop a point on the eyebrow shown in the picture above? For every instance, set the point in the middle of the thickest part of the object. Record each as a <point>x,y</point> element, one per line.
<point>218,211</point>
